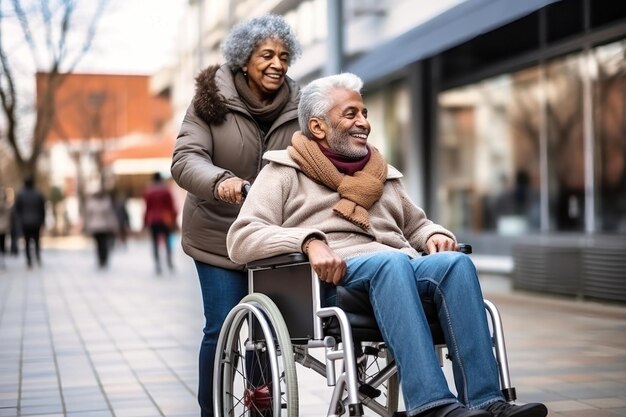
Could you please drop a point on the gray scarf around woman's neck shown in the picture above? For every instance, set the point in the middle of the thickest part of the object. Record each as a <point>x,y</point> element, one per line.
<point>264,113</point>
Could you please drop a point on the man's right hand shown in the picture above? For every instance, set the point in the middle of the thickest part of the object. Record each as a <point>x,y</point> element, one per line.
<point>327,265</point>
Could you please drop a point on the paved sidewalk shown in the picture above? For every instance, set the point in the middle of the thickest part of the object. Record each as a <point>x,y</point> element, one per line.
<point>76,341</point>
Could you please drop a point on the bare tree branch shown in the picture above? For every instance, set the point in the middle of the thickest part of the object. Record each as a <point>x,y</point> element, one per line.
<point>54,57</point>
<point>46,14</point>
<point>8,97</point>
<point>68,10</point>
<point>91,34</point>
<point>22,17</point>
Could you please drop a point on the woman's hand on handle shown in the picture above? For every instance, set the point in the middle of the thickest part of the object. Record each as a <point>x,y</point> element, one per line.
<point>230,190</point>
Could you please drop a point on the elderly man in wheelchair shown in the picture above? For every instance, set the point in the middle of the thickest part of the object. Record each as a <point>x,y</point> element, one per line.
<point>333,198</point>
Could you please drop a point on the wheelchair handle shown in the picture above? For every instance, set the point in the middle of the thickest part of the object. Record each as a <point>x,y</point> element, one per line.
<point>245,189</point>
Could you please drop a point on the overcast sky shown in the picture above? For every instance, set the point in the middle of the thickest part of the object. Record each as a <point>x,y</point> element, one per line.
<point>135,36</point>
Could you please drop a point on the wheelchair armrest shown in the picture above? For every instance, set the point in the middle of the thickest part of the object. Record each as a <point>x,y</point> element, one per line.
<point>299,257</point>
<point>465,248</point>
<point>278,260</point>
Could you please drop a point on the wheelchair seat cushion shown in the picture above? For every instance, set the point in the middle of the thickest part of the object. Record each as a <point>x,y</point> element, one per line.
<point>356,304</point>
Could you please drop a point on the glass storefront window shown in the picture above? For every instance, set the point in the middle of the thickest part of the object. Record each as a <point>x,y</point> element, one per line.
<point>488,161</point>
<point>489,148</point>
<point>564,116</point>
<point>389,115</point>
<point>610,137</point>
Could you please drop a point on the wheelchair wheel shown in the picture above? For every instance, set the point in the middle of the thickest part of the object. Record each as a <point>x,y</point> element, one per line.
<point>255,373</point>
<point>375,357</point>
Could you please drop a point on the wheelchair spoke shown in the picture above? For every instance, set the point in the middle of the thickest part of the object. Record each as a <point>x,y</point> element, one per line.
<point>380,392</point>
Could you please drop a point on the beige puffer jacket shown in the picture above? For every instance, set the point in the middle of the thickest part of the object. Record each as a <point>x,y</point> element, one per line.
<point>219,139</point>
<point>285,207</point>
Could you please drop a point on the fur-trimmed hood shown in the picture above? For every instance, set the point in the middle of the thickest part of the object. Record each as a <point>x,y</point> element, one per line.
<point>208,101</point>
<point>216,94</point>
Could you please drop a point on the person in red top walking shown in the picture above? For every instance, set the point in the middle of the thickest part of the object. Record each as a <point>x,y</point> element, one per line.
<point>160,218</point>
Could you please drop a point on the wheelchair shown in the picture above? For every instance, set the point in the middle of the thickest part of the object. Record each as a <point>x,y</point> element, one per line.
<point>282,319</point>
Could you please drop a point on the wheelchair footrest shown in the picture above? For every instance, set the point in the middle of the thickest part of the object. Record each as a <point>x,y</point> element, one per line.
<point>369,391</point>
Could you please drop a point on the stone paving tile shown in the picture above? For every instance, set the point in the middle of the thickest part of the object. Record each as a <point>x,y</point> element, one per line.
<point>587,413</point>
<point>103,413</point>
<point>607,402</point>
<point>79,342</point>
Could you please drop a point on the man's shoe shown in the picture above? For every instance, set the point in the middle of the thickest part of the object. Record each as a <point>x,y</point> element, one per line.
<point>504,409</point>
<point>456,410</point>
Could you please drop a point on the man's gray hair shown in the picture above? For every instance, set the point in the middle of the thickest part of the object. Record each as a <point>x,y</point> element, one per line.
<point>315,98</point>
<point>245,36</point>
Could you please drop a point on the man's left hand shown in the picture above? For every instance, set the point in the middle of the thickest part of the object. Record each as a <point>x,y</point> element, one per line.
<point>440,243</point>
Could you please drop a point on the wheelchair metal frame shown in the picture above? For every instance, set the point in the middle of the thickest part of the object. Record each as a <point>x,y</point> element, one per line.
<point>346,395</point>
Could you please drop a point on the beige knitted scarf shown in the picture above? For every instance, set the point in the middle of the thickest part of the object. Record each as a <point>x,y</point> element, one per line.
<point>358,192</point>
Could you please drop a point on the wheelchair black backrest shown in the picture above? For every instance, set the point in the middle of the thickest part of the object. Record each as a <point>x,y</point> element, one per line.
<point>288,281</point>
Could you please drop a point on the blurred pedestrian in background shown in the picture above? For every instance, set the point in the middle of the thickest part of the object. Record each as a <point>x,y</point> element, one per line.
<point>240,110</point>
<point>30,211</point>
<point>101,223</point>
<point>5,223</point>
<point>160,218</point>
<point>14,231</point>
<point>119,202</point>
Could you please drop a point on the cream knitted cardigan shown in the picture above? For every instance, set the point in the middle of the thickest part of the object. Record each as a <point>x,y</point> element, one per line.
<point>285,207</point>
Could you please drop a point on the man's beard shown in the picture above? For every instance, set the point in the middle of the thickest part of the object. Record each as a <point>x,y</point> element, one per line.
<point>340,142</point>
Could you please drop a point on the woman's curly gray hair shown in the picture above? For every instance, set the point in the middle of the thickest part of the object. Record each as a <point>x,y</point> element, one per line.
<point>245,36</point>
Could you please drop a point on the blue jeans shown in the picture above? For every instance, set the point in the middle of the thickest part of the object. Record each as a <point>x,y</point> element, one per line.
<point>396,284</point>
<point>222,289</point>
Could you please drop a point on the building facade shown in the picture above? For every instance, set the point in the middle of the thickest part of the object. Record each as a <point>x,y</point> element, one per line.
<point>109,131</point>
<point>507,118</point>
<point>518,117</point>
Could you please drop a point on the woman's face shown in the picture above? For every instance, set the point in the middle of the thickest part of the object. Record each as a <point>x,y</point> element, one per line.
<point>267,67</point>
